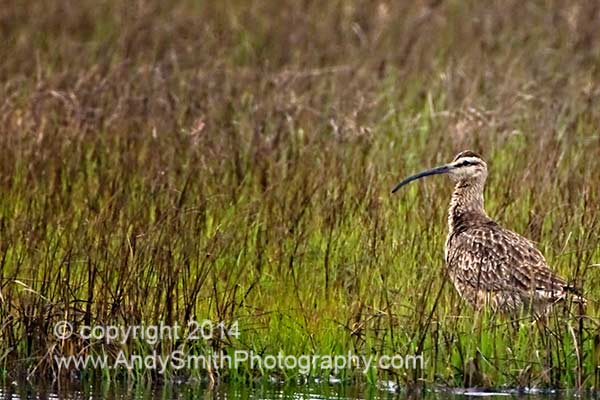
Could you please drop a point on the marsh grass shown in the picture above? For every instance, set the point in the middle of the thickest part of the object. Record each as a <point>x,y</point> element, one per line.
<point>233,162</point>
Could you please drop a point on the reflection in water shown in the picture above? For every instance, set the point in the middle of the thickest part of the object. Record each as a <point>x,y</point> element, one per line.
<point>199,391</point>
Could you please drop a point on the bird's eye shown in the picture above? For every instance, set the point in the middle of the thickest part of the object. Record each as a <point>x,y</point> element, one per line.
<point>466,163</point>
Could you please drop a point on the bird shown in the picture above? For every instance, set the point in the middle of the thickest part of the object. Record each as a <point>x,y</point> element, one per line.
<point>487,263</point>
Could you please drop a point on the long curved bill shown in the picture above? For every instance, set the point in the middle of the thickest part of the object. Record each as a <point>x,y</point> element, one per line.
<point>434,171</point>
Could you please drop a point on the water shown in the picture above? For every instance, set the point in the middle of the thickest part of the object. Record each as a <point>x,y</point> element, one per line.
<point>189,391</point>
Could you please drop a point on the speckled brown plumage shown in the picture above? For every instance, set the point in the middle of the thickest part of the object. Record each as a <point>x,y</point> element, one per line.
<point>487,263</point>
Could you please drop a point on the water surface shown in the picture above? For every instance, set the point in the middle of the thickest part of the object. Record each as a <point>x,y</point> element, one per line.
<point>189,391</point>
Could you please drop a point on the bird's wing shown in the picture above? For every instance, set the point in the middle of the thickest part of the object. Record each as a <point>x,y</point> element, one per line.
<point>489,258</point>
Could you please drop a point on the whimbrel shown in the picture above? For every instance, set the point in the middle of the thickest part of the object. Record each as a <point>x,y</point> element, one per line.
<point>487,263</point>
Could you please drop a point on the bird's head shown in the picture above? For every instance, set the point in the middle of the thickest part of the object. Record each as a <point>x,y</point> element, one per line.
<point>467,167</point>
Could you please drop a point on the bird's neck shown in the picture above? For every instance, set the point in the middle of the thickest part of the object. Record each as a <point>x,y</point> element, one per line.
<point>466,205</point>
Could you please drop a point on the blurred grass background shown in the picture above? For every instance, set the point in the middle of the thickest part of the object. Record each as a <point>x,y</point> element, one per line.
<point>232,160</point>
